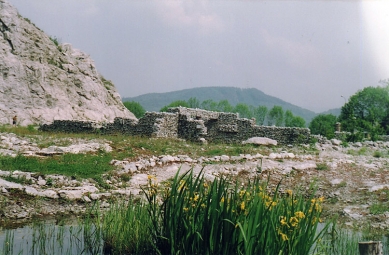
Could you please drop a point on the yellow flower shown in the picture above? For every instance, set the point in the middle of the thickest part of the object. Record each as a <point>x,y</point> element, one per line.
<point>283,221</point>
<point>222,200</point>
<point>313,201</point>
<point>242,206</point>
<point>284,237</point>
<point>203,205</point>
<point>316,220</point>
<point>320,199</point>
<point>299,215</point>
<point>318,207</point>
<point>196,197</point>
<point>270,204</point>
<point>293,221</point>
<point>185,209</point>
<point>241,193</point>
<point>290,192</point>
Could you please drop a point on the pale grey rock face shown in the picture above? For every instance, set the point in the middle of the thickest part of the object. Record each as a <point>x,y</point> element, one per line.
<point>260,141</point>
<point>41,81</point>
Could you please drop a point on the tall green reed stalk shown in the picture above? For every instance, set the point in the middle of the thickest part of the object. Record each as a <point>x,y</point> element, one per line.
<point>8,243</point>
<point>197,217</point>
<point>339,241</point>
<point>91,231</point>
<point>126,229</point>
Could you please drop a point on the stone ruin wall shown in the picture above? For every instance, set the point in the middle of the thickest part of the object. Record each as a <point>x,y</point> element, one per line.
<point>189,124</point>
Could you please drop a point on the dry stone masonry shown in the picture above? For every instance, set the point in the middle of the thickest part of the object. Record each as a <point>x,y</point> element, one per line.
<point>189,124</point>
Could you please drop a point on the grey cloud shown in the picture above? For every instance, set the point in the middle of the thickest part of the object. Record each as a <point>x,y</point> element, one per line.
<point>304,52</point>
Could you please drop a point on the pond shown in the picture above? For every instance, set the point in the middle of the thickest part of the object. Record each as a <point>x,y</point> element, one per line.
<point>84,237</point>
<point>49,238</point>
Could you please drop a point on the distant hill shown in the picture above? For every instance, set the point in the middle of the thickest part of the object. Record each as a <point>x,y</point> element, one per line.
<point>335,112</point>
<point>249,96</point>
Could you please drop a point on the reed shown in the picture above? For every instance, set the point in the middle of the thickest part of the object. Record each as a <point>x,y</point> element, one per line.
<point>200,217</point>
<point>126,229</point>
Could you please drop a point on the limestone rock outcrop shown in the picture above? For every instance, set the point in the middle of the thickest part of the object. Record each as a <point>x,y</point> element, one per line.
<point>260,141</point>
<point>42,80</point>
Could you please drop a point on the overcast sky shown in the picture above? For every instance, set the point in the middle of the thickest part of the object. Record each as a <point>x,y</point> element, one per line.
<point>308,53</point>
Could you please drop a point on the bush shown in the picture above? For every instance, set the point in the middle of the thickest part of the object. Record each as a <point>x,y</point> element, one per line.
<point>321,166</point>
<point>177,103</point>
<point>323,124</point>
<point>31,128</point>
<point>136,108</point>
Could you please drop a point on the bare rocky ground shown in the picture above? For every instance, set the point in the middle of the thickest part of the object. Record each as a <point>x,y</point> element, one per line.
<point>354,179</point>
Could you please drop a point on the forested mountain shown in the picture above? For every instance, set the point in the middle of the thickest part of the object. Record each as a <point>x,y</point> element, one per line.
<point>249,96</point>
<point>335,111</point>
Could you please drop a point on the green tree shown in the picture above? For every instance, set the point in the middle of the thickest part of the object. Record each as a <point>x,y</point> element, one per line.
<point>193,103</point>
<point>136,108</point>
<point>293,121</point>
<point>367,111</point>
<point>177,103</point>
<point>260,114</point>
<point>323,124</point>
<point>298,122</point>
<point>275,116</point>
<point>224,106</point>
<point>243,110</point>
<point>288,119</point>
<point>209,105</point>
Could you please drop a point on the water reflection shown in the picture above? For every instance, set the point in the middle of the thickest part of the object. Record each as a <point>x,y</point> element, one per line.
<point>48,238</point>
<point>74,237</point>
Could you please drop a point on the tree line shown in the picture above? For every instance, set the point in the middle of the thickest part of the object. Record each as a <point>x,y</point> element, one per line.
<point>365,114</point>
<point>274,116</point>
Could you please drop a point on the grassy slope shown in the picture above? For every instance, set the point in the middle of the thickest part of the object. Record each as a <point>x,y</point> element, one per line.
<point>94,164</point>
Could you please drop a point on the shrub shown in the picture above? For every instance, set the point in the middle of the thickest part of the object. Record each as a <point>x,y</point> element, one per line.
<point>377,154</point>
<point>378,208</point>
<point>55,40</point>
<point>322,166</point>
<point>136,108</point>
<point>177,103</point>
<point>362,151</point>
<point>31,128</point>
<point>323,124</point>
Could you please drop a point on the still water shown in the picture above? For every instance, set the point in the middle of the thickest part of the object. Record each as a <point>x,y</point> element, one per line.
<point>49,238</point>
<point>75,237</point>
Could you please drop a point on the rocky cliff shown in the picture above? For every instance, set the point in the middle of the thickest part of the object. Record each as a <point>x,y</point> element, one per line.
<point>42,80</point>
